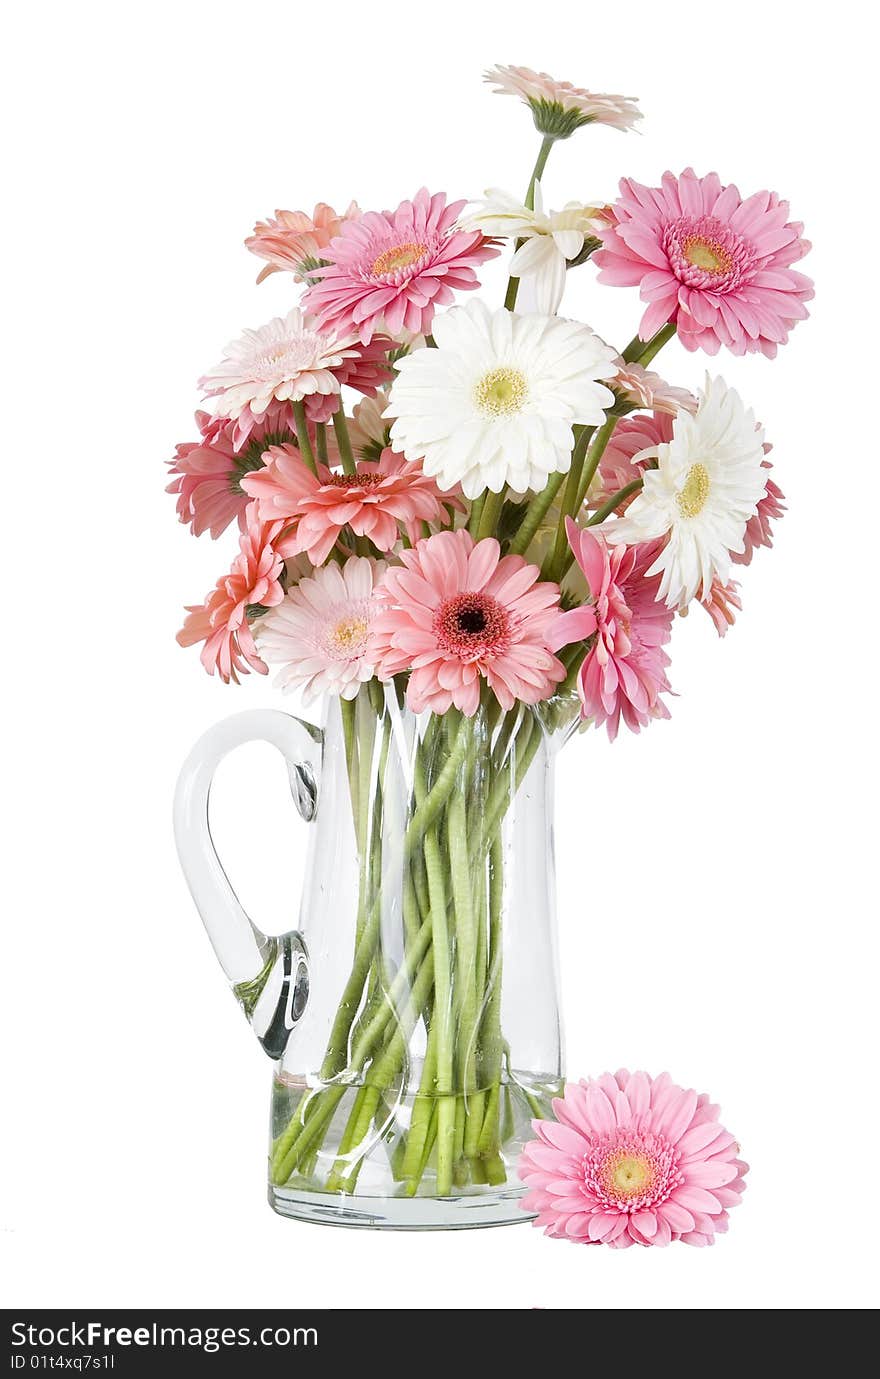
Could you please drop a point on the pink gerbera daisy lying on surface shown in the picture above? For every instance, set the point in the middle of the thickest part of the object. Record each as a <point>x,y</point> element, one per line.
<point>294,242</point>
<point>208,473</point>
<point>716,265</point>
<point>395,268</point>
<point>221,622</point>
<point>373,502</point>
<point>624,673</point>
<point>456,613</point>
<point>632,1160</point>
<point>291,360</point>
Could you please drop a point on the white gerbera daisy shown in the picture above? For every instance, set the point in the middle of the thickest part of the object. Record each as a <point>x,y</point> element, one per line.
<point>318,634</point>
<point>495,402</point>
<point>551,238</point>
<point>708,482</point>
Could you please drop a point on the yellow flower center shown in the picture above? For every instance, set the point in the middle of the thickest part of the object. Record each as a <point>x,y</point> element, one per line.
<point>707,254</point>
<point>630,1175</point>
<point>694,492</point>
<point>501,392</point>
<point>350,633</point>
<point>397,257</point>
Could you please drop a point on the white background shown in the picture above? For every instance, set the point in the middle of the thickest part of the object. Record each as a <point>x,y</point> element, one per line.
<point>716,874</point>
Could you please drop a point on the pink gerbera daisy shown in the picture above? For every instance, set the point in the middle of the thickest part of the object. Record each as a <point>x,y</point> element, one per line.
<point>716,265</point>
<point>557,107</point>
<point>624,672</point>
<point>316,507</point>
<point>632,1160</point>
<point>222,621</point>
<point>642,388</point>
<point>620,463</point>
<point>319,633</point>
<point>294,242</point>
<point>759,528</point>
<point>396,268</point>
<point>208,473</point>
<point>457,613</point>
<point>291,360</point>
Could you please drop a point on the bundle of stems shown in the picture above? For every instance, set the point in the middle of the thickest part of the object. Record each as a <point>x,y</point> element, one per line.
<point>446,970</point>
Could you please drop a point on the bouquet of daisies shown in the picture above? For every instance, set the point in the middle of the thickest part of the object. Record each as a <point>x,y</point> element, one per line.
<point>485,511</point>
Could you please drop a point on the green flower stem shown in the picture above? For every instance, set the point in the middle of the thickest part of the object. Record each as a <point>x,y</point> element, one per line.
<point>465,940</point>
<point>640,351</point>
<point>597,450</point>
<point>535,514</point>
<point>321,442</point>
<point>442,1021</point>
<point>537,173</point>
<point>388,1065</point>
<point>569,504</point>
<point>426,813</point>
<point>423,1106</point>
<point>614,502</point>
<point>490,515</point>
<point>343,441</point>
<point>476,514</point>
<point>303,439</point>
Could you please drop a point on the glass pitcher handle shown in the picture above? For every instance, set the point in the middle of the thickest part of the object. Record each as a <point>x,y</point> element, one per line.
<point>269,975</point>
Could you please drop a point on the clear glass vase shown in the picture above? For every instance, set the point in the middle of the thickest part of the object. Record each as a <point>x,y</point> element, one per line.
<point>413,1017</point>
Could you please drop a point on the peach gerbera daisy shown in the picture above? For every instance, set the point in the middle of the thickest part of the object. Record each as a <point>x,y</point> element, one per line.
<point>632,1160</point>
<point>457,613</point>
<point>294,242</point>
<point>221,622</point>
<point>373,502</point>
<point>395,268</point>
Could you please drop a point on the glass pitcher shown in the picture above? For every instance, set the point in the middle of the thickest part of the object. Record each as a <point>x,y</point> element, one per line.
<point>413,1017</point>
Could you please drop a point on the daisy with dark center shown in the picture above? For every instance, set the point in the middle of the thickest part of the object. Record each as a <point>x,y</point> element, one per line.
<point>455,613</point>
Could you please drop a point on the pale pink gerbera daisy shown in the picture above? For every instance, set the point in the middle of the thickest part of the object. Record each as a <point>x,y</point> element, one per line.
<point>759,528</point>
<point>718,266</point>
<point>207,474</point>
<point>632,1160</point>
<point>457,613</point>
<point>395,268</point>
<point>641,388</point>
<point>222,621</point>
<point>722,604</point>
<point>557,107</point>
<point>290,360</point>
<point>621,461</point>
<point>294,242</point>
<point>373,502</point>
<point>319,634</point>
<point>624,673</point>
